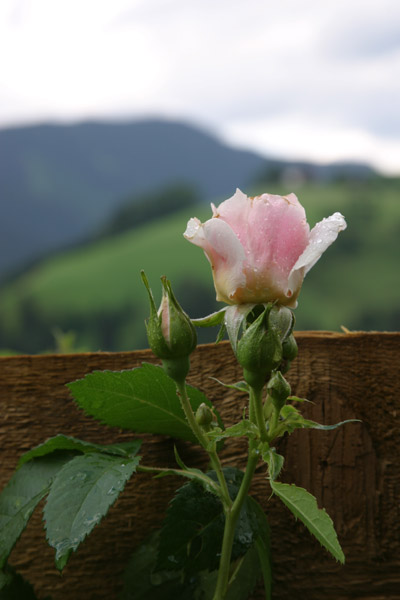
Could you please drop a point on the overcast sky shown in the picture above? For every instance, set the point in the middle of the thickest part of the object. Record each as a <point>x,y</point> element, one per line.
<point>313,79</point>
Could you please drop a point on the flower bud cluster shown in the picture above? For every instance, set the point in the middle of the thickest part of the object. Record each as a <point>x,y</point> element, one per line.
<point>267,344</point>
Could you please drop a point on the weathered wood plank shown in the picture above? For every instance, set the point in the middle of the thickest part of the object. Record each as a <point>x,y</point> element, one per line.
<point>354,471</point>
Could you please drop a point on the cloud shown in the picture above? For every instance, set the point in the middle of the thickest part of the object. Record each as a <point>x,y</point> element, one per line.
<point>312,139</point>
<point>363,32</point>
<point>229,64</point>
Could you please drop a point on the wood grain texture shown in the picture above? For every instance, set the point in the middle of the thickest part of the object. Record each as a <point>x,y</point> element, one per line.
<point>354,471</point>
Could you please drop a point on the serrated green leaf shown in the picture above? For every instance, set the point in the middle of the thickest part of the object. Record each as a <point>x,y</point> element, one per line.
<point>142,400</point>
<point>275,462</point>
<point>14,587</point>
<point>304,507</point>
<point>80,496</point>
<point>244,428</point>
<point>292,419</point>
<point>19,498</point>
<point>297,399</point>
<point>65,442</point>
<point>313,425</point>
<point>191,536</point>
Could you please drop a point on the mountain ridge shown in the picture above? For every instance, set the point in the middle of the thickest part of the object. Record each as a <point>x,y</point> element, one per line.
<point>59,183</point>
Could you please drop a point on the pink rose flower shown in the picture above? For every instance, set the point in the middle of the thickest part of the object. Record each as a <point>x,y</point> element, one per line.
<point>261,248</point>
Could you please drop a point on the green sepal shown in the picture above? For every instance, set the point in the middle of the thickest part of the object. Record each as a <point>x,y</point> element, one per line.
<point>259,350</point>
<point>215,318</point>
<point>221,333</point>
<point>240,386</point>
<point>282,320</point>
<point>235,319</point>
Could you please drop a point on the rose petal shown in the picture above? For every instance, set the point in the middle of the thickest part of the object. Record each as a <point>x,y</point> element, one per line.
<point>321,237</point>
<point>273,231</point>
<point>223,250</point>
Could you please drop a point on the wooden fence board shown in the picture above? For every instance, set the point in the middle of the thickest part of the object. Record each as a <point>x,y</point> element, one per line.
<point>354,471</point>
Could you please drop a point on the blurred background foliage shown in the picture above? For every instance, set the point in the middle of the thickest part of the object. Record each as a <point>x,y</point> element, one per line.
<point>87,295</point>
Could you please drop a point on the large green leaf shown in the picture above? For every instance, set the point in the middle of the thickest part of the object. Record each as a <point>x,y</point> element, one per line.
<point>81,494</point>
<point>247,572</point>
<point>304,507</point>
<point>262,545</point>
<point>65,442</point>
<point>19,498</point>
<point>191,535</point>
<point>14,587</point>
<point>141,582</point>
<point>142,400</point>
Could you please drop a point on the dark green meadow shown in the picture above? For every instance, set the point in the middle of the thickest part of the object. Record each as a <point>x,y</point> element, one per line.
<point>95,292</point>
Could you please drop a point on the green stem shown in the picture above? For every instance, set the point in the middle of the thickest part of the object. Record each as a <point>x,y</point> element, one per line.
<point>204,442</point>
<point>231,517</point>
<point>273,425</point>
<point>256,403</point>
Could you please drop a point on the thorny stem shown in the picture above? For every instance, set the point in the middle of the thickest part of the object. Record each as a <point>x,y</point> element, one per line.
<point>231,517</point>
<point>258,416</point>
<point>204,442</point>
<point>274,421</point>
<point>232,510</point>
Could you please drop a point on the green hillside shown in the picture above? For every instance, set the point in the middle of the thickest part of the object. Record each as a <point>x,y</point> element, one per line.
<point>96,290</point>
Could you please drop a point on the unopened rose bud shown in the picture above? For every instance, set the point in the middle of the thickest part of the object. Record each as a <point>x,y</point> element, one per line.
<point>278,389</point>
<point>204,416</point>
<point>289,348</point>
<point>170,332</point>
<point>289,353</point>
<point>259,350</point>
